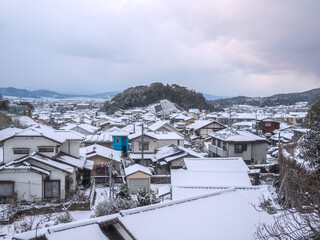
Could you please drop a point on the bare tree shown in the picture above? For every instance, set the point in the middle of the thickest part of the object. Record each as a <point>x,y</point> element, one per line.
<point>299,199</point>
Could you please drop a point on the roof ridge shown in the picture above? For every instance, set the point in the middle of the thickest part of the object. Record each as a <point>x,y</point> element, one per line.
<point>174,202</point>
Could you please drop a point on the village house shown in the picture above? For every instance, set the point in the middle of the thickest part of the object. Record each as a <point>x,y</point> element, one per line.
<point>268,125</point>
<point>101,157</point>
<point>231,142</point>
<point>162,126</point>
<point>203,128</point>
<point>82,128</point>
<point>149,142</point>
<point>172,157</point>
<point>45,160</point>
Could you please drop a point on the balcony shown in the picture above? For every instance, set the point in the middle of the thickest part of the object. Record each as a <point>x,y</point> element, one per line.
<point>219,151</point>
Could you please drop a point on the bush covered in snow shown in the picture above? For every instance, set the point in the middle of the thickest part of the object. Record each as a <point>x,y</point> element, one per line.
<point>124,200</point>
<point>123,193</point>
<point>64,217</point>
<point>105,208</point>
<point>145,198</point>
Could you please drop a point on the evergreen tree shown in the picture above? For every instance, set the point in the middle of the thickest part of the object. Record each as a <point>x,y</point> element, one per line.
<point>310,142</point>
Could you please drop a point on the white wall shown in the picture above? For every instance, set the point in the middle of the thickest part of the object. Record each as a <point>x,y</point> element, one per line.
<point>71,148</point>
<point>259,152</point>
<point>28,185</point>
<point>26,142</point>
<point>154,144</point>
<point>166,142</point>
<point>151,141</point>
<point>56,174</point>
<point>246,155</point>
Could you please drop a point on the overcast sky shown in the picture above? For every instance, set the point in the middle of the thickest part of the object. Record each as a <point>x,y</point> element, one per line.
<point>222,47</point>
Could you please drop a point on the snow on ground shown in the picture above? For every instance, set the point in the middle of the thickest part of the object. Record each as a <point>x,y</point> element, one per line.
<point>79,215</point>
<point>38,221</point>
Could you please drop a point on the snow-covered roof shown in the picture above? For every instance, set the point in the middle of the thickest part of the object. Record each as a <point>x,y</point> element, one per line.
<point>198,124</point>
<point>158,135</point>
<point>96,149</point>
<point>9,132</point>
<point>159,124</point>
<point>220,214</point>
<point>87,127</point>
<point>102,137</point>
<point>301,130</point>
<point>45,160</point>
<point>42,131</point>
<point>209,178</point>
<point>172,152</point>
<point>23,167</point>
<point>136,168</point>
<point>231,164</point>
<point>26,121</point>
<point>236,135</point>
<point>224,214</point>
<point>75,162</point>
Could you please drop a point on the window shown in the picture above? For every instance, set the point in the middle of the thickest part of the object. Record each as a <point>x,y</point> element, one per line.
<point>21,151</point>
<point>219,143</point>
<point>268,124</point>
<point>6,188</point>
<point>52,189</point>
<point>145,146</point>
<point>117,140</point>
<point>224,146</point>
<point>46,149</point>
<point>240,148</point>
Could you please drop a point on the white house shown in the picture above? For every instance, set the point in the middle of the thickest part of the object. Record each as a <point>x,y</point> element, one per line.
<point>203,128</point>
<point>44,160</point>
<point>232,142</point>
<point>150,142</point>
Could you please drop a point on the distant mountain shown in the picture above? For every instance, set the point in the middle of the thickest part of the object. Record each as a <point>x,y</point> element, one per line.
<point>212,97</point>
<point>24,93</point>
<point>310,96</point>
<point>142,96</point>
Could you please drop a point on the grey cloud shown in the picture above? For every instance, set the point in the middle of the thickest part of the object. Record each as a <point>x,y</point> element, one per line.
<point>203,44</point>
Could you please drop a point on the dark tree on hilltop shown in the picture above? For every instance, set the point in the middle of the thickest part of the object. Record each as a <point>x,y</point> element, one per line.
<point>4,104</point>
<point>142,96</point>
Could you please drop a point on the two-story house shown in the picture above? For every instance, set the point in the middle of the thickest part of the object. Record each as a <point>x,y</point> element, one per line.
<point>203,128</point>
<point>144,146</point>
<point>41,163</point>
<point>232,142</point>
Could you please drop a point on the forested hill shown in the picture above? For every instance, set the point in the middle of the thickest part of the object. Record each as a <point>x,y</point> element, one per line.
<point>310,96</point>
<point>142,96</point>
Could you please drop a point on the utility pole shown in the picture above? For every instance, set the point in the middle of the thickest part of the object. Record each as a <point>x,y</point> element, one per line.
<point>257,121</point>
<point>230,116</point>
<point>110,173</point>
<point>142,145</point>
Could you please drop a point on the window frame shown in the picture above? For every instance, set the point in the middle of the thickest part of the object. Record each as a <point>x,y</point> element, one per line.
<point>16,150</point>
<point>242,149</point>
<point>9,183</point>
<point>144,146</point>
<point>44,189</point>
<point>51,148</point>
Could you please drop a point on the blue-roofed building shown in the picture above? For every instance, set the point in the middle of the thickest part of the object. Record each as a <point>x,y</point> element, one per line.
<point>120,142</point>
